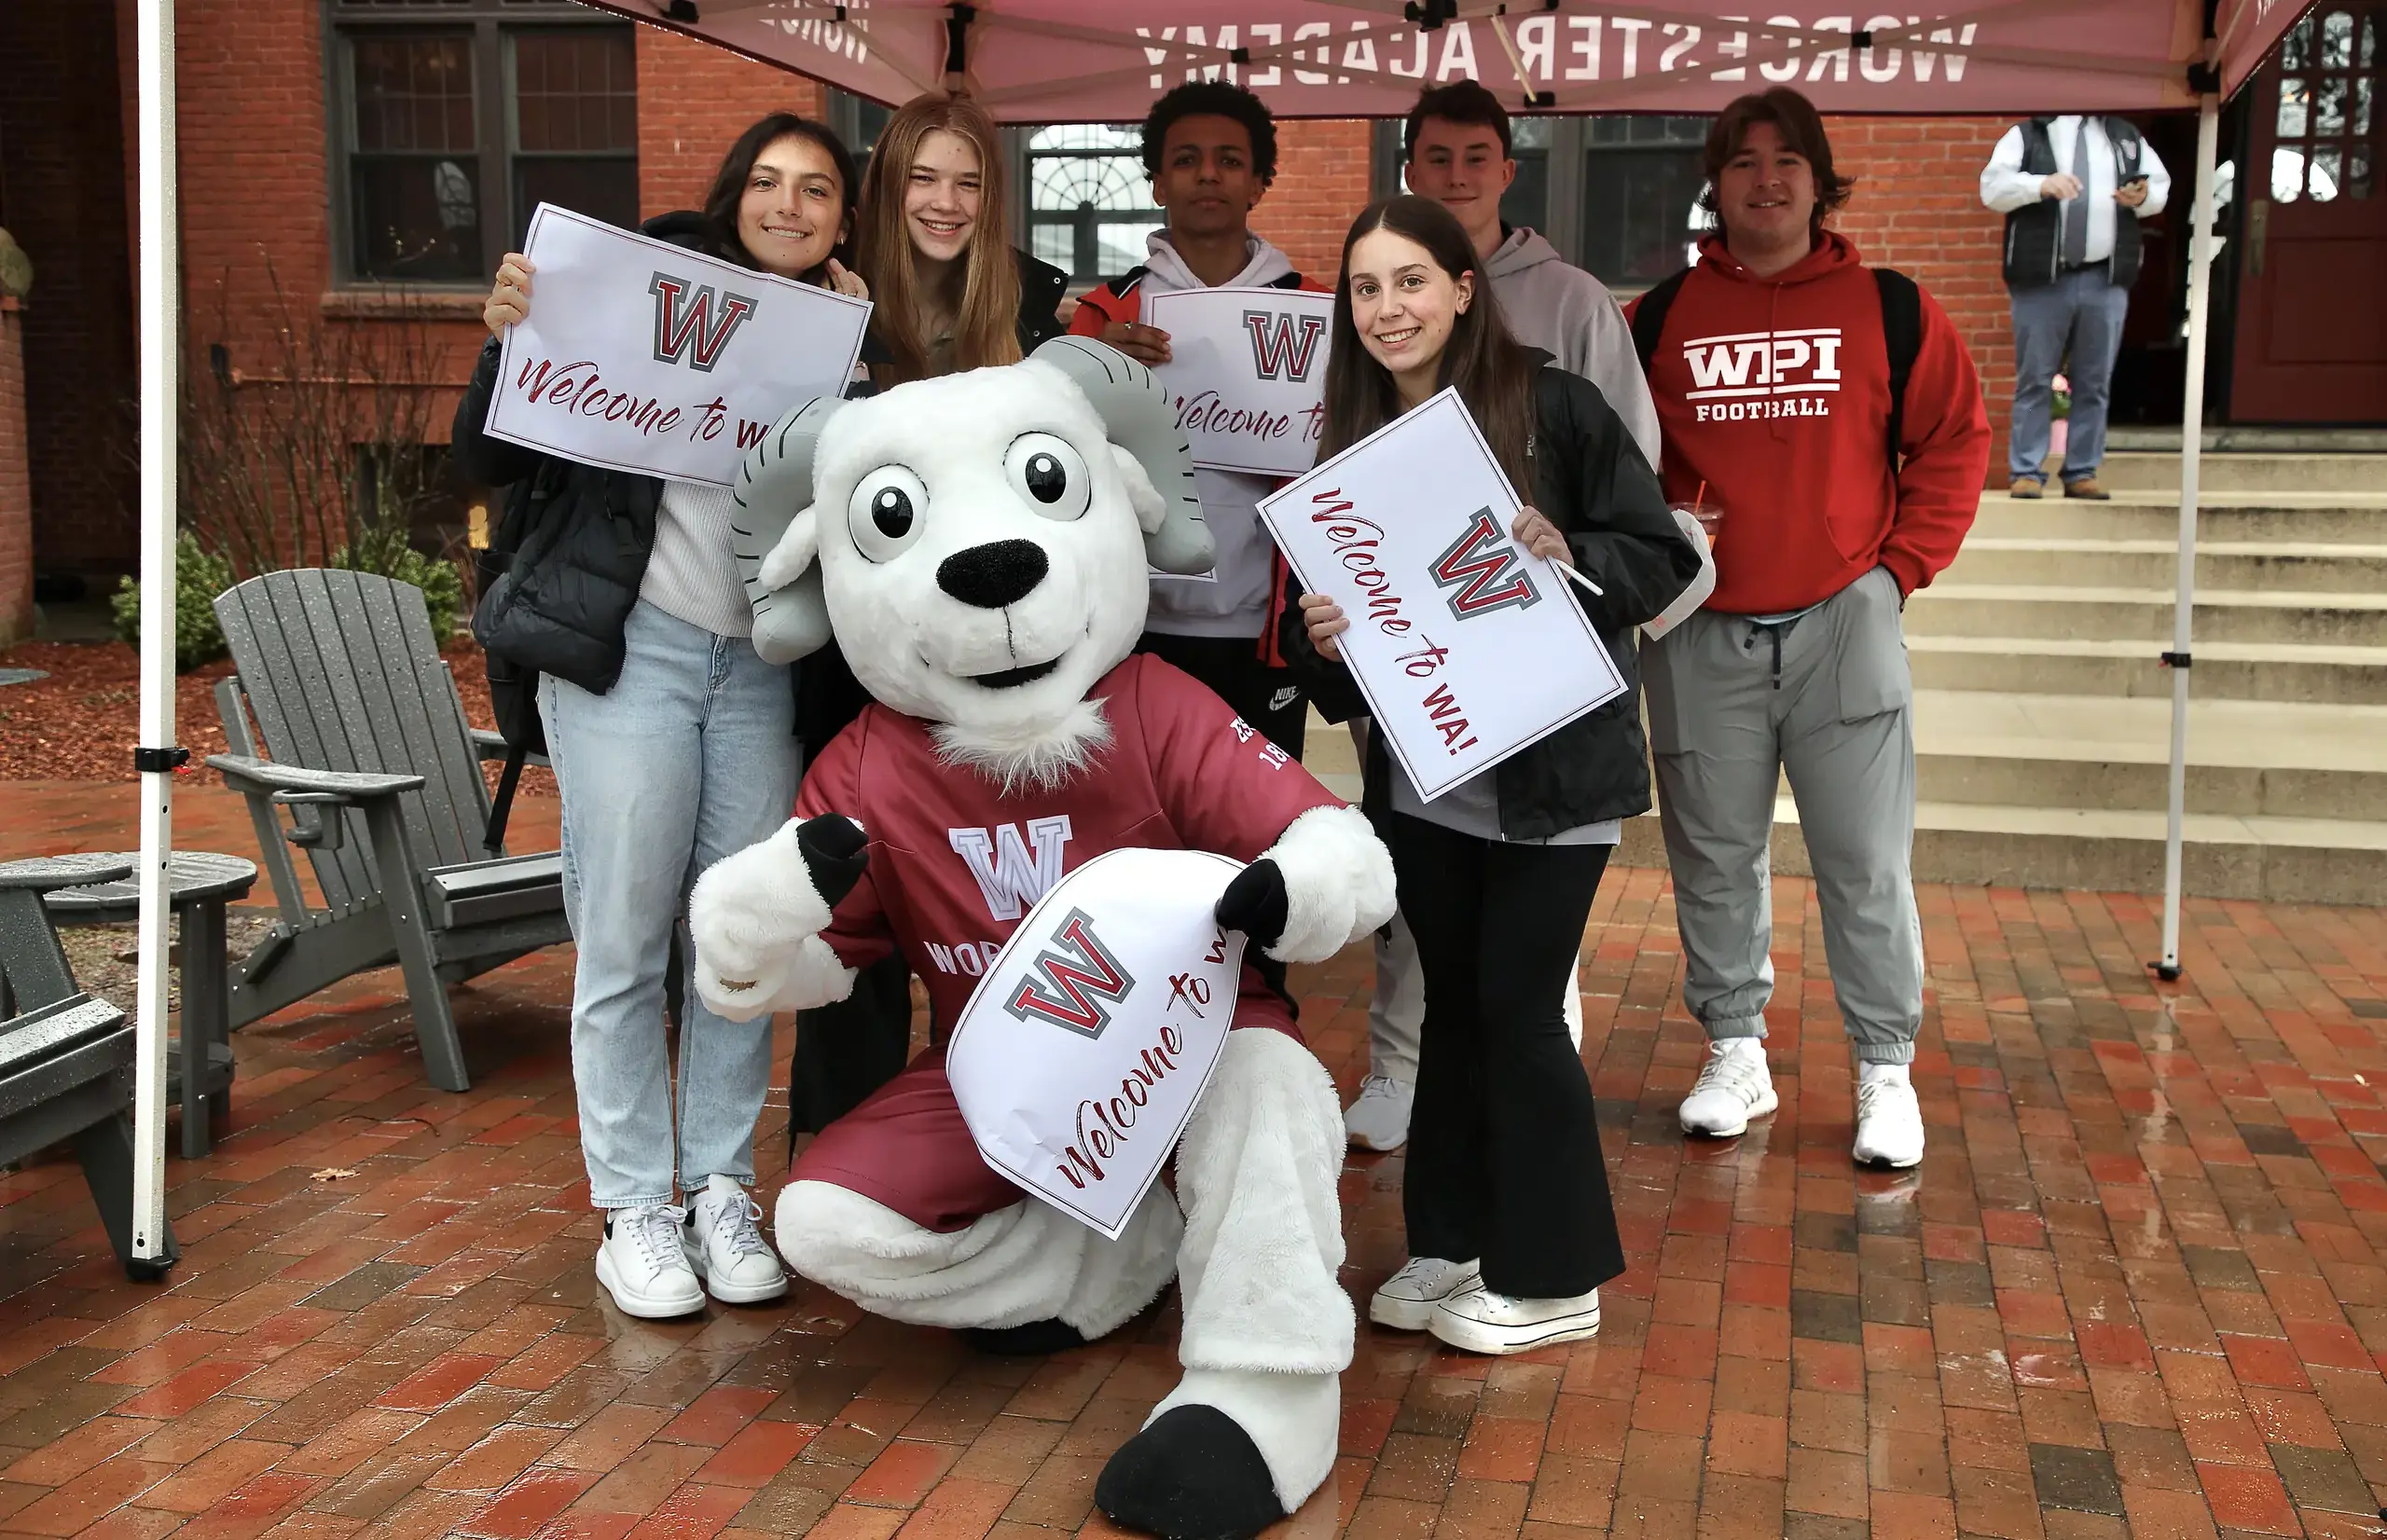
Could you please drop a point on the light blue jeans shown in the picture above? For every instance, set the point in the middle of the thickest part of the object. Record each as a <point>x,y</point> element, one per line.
<point>691,756</point>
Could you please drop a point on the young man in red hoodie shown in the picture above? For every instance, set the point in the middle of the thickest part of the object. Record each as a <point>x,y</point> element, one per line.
<point>1771,374</point>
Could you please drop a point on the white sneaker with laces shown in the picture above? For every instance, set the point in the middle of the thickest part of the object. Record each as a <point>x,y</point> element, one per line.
<point>1407,1300</point>
<point>1733,1087</point>
<point>725,1250</point>
<point>1889,1119</point>
<point>1379,1118</point>
<point>1478,1320</point>
<point>642,1267</point>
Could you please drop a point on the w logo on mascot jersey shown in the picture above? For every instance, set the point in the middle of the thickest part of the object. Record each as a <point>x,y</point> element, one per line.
<point>1283,345</point>
<point>1483,566</point>
<point>688,328</point>
<point>1069,983</point>
<point>1013,872</point>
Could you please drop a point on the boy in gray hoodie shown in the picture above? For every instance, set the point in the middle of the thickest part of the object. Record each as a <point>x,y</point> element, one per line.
<point>1457,151</point>
<point>1211,150</point>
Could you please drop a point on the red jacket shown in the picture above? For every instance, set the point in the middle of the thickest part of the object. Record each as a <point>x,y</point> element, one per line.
<point>956,863</point>
<point>1774,393</point>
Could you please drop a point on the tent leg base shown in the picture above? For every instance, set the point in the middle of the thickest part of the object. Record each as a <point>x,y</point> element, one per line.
<point>149,1269</point>
<point>2168,972</point>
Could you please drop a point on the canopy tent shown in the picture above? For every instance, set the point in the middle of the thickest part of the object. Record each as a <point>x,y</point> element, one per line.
<point>1087,60</point>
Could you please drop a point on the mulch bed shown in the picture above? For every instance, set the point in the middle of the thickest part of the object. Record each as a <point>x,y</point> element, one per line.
<point>81,722</point>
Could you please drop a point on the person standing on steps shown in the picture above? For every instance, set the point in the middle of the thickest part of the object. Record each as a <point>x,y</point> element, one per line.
<point>1457,150</point>
<point>673,744</point>
<point>1210,149</point>
<point>1844,487</point>
<point>2074,190</point>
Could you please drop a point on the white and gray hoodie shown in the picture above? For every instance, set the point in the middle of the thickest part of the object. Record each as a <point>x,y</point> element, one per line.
<point>1234,599</point>
<point>1563,310</point>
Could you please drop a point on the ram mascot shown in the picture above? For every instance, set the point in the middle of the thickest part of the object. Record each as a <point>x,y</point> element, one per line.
<point>979,545</point>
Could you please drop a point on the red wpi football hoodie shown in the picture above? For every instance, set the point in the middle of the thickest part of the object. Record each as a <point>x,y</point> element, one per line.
<point>1776,392</point>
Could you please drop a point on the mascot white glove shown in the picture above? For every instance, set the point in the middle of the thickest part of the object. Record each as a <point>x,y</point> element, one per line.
<point>1324,883</point>
<point>757,918</point>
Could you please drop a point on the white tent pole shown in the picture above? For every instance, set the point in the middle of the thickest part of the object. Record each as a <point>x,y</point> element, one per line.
<point>2191,450</point>
<point>161,348</point>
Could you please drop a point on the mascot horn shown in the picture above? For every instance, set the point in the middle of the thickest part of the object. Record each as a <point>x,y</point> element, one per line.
<point>775,486</point>
<point>979,547</point>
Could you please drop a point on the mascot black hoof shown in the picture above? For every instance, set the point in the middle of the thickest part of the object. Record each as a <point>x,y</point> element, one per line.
<point>1024,1341</point>
<point>1193,1475</point>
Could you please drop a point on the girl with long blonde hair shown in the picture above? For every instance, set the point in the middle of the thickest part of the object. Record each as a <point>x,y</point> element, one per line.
<point>936,251</point>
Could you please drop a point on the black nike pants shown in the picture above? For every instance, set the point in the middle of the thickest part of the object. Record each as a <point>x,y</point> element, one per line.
<point>1262,695</point>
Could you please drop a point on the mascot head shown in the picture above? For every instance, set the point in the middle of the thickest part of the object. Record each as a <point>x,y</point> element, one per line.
<point>978,543</point>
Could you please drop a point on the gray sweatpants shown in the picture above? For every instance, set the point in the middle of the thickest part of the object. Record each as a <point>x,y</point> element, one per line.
<point>1827,700</point>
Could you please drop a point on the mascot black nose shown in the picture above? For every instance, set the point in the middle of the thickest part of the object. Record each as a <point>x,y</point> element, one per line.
<point>991,576</point>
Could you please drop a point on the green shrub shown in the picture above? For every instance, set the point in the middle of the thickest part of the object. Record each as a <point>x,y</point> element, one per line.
<point>200,576</point>
<point>386,552</point>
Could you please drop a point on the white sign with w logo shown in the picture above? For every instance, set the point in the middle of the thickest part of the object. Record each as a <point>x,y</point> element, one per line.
<point>1081,1052</point>
<point>1247,373</point>
<point>640,355</point>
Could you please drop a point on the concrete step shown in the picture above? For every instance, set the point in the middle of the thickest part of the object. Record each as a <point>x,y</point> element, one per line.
<point>2247,566</point>
<point>2230,472</point>
<point>2246,671</point>
<point>2121,613</point>
<point>2349,517</point>
<point>2245,758</point>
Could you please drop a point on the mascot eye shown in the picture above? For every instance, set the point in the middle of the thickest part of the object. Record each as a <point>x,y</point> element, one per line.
<point>1049,473</point>
<point>886,511</point>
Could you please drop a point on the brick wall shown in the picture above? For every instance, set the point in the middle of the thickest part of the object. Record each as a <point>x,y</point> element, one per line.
<point>16,486</point>
<point>1917,208</point>
<point>1322,183</point>
<point>693,101</point>
<point>61,183</point>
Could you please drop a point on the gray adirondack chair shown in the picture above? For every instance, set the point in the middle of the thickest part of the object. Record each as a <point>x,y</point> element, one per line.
<point>365,746</point>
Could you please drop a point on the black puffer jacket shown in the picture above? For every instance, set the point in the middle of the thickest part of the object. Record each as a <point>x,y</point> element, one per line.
<point>1591,482</point>
<point>581,535</point>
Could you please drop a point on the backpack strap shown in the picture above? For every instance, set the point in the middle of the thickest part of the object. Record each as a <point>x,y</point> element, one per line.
<point>1902,334</point>
<point>1649,317</point>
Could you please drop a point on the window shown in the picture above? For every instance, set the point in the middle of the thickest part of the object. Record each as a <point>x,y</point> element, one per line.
<point>2323,148</point>
<point>454,119</point>
<point>1641,180</point>
<point>1089,199</point>
<point>1528,201</point>
<point>856,121</point>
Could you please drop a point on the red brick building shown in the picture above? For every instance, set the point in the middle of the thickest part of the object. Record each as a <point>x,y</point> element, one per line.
<point>347,150</point>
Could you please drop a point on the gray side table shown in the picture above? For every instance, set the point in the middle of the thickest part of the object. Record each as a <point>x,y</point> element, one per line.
<point>199,884</point>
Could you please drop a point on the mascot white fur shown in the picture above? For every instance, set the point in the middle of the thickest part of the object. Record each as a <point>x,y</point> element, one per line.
<point>979,544</point>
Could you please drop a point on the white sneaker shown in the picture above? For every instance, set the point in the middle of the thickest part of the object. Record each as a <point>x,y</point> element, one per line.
<point>1481,1321</point>
<point>642,1267</point>
<point>1407,1300</point>
<point>1733,1087</point>
<point>1379,1119</point>
<point>1889,1119</point>
<point>737,1266</point>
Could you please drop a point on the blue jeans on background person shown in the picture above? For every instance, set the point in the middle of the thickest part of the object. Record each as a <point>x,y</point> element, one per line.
<point>691,756</point>
<point>2080,313</point>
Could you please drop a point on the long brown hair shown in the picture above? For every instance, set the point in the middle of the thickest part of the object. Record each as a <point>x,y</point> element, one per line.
<point>985,323</point>
<point>737,168</point>
<point>1494,373</point>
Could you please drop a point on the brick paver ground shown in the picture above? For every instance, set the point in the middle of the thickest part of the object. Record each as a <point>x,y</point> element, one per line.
<point>2135,1290</point>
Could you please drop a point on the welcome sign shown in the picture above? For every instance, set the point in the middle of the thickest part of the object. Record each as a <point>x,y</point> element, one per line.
<point>1082,1051</point>
<point>639,355</point>
<point>1247,374</point>
<point>1467,647</point>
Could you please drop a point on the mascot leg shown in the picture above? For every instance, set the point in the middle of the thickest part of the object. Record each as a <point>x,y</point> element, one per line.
<point>1251,1430</point>
<point>1027,1263</point>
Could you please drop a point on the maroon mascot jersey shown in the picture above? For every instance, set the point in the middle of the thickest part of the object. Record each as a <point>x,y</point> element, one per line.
<point>955,864</point>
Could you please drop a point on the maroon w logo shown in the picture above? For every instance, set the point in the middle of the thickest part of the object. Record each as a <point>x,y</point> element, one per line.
<point>688,324</point>
<point>1283,345</point>
<point>1483,566</point>
<point>1069,984</point>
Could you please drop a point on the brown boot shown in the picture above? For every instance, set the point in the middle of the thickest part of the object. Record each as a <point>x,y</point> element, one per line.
<point>2025,486</point>
<point>2086,486</point>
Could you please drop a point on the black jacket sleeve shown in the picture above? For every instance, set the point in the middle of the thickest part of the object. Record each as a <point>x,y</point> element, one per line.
<point>1609,506</point>
<point>1328,684</point>
<point>490,462</point>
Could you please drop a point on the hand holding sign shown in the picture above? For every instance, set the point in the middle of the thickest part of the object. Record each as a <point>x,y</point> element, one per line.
<point>1084,1050</point>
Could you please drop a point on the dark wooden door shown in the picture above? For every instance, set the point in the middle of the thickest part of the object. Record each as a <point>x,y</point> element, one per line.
<point>2311,339</point>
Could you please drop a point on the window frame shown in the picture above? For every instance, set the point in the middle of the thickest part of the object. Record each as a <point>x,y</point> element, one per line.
<point>488,22</point>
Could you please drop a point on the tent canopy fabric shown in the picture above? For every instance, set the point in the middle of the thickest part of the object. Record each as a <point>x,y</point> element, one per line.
<point>1103,61</point>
